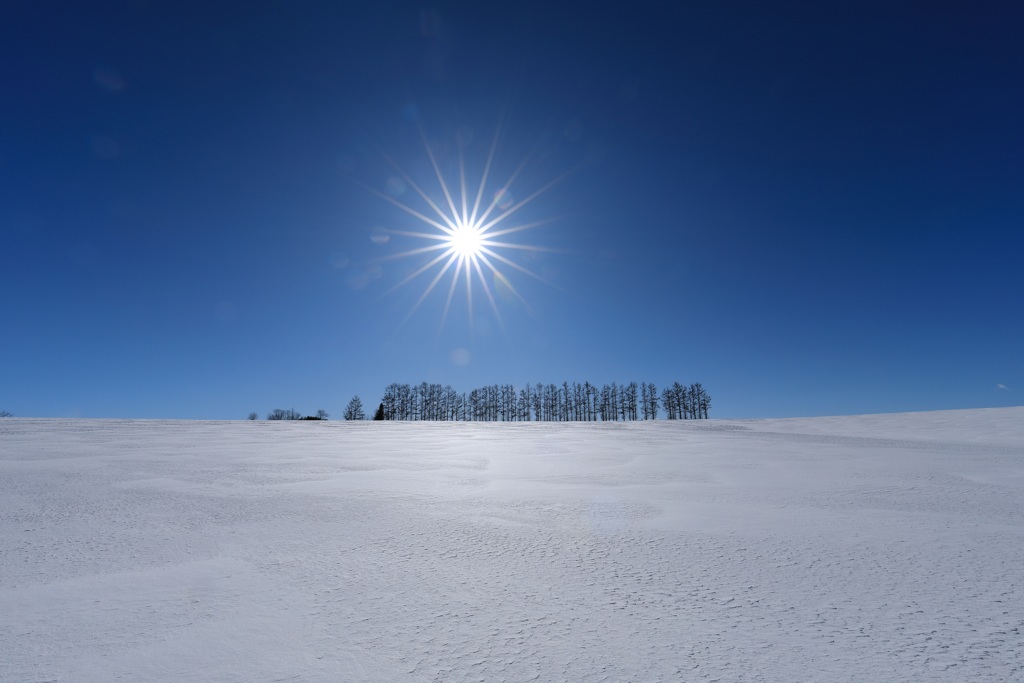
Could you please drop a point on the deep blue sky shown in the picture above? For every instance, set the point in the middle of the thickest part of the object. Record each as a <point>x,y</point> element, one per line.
<point>812,208</point>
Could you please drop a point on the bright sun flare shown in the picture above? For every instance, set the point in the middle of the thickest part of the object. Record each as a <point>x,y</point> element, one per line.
<point>467,241</point>
<point>467,232</point>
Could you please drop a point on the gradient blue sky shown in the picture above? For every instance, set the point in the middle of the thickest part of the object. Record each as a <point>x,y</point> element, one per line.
<point>812,208</point>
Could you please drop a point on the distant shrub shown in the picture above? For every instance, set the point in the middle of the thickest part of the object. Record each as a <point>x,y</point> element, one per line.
<point>282,414</point>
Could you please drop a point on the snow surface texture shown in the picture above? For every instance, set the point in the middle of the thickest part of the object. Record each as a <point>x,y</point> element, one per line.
<point>832,549</point>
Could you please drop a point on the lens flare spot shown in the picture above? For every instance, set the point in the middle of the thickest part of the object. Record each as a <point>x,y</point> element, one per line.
<point>460,357</point>
<point>504,291</point>
<point>358,278</point>
<point>503,199</point>
<point>379,235</point>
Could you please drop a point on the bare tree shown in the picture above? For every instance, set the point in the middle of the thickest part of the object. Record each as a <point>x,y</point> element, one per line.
<point>702,400</point>
<point>668,400</point>
<point>681,395</point>
<point>282,414</point>
<point>652,400</point>
<point>253,416</point>
<point>525,402</point>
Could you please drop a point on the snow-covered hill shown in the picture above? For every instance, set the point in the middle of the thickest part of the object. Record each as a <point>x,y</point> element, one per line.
<point>830,549</point>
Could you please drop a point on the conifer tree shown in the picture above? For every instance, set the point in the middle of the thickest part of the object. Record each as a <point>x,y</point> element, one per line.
<point>354,409</point>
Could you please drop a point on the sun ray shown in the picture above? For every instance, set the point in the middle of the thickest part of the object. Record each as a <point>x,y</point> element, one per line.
<point>418,272</point>
<point>428,290</point>
<point>486,172</point>
<point>462,186</point>
<point>420,191</point>
<point>505,188</point>
<point>412,212</point>
<point>518,205</point>
<point>413,252</point>
<point>490,296</point>
<point>469,296</point>
<point>499,275</point>
<point>513,264</point>
<point>424,235</point>
<point>521,247</point>
<point>515,228</point>
<point>448,301</point>
<point>437,172</point>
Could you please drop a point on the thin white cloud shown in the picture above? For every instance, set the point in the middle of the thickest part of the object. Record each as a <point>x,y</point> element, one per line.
<point>1003,387</point>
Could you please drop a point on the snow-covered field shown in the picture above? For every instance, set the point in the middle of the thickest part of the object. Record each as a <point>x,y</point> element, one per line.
<point>873,548</point>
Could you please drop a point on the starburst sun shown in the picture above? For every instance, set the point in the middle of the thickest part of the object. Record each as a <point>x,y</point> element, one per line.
<point>466,240</point>
<point>468,234</point>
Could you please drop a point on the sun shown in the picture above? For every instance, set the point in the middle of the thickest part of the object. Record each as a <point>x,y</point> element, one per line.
<point>469,232</point>
<point>467,241</point>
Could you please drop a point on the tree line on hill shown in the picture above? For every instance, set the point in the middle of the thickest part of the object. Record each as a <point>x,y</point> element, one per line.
<point>354,411</point>
<point>542,402</point>
<point>291,414</point>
